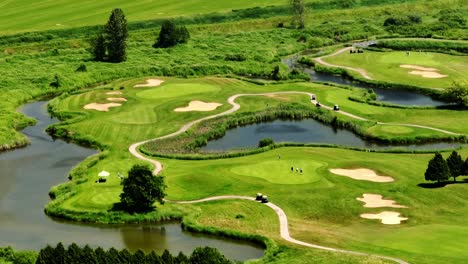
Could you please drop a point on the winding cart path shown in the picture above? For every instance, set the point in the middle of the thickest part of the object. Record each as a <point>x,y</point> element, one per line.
<point>284,228</point>
<point>358,70</point>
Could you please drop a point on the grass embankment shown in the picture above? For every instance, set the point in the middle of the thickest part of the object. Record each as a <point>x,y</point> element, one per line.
<point>327,215</point>
<point>385,66</point>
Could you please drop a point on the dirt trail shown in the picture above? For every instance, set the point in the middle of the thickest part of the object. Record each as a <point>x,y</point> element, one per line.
<point>358,70</point>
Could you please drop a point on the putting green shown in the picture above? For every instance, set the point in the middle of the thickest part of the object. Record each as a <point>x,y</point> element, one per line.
<point>279,171</point>
<point>386,66</point>
<point>176,90</point>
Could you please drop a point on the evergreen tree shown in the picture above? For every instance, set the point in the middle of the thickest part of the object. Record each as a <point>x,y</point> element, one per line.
<point>437,169</point>
<point>113,256</point>
<point>298,10</point>
<point>167,257</point>
<point>45,255</point>
<point>455,164</point>
<point>207,255</point>
<point>60,254</point>
<point>98,47</point>
<point>153,258</point>
<point>125,256</point>
<point>465,167</point>
<point>116,34</point>
<point>141,189</point>
<point>139,257</point>
<point>88,256</point>
<point>101,257</point>
<point>73,254</point>
<point>182,259</point>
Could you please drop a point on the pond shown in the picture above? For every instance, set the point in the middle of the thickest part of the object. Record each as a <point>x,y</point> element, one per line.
<point>303,131</point>
<point>394,96</point>
<point>26,176</point>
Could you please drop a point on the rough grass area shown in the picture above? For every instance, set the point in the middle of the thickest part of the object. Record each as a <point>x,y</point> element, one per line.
<point>385,66</point>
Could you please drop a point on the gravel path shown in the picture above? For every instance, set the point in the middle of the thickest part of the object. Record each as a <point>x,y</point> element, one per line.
<point>360,71</point>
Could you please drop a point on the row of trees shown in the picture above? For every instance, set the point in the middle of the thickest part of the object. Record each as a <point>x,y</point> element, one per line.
<point>110,44</point>
<point>75,254</point>
<point>457,93</point>
<point>440,169</point>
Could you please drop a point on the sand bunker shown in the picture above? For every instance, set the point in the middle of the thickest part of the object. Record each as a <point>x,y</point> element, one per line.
<point>423,71</point>
<point>362,174</point>
<point>114,93</point>
<point>118,99</point>
<point>428,74</point>
<point>198,106</point>
<point>416,67</point>
<point>100,107</point>
<point>376,200</point>
<point>150,83</point>
<point>387,217</point>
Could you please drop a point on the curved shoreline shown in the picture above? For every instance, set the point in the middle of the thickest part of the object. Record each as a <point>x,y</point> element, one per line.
<point>284,228</point>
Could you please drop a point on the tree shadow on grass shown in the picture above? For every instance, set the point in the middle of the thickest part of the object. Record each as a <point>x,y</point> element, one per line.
<point>121,207</point>
<point>433,185</point>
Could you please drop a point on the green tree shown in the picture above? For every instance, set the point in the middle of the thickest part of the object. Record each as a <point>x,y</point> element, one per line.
<point>437,169</point>
<point>56,82</point>
<point>101,257</point>
<point>167,257</point>
<point>265,142</point>
<point>458,93</point>
<point>98,47</point>
<point>116,34</point>
<point>171,35</point>
<point>207,255</point>
<point>45,255</point>
<point>455,164</point>
<point>141,189</point>
<point>465,167</point>
<point>298,11</point>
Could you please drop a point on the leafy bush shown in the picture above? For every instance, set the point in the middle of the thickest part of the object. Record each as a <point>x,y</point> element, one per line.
<point>171,35</point>
<point>265,142</point>
<point>235,57</point>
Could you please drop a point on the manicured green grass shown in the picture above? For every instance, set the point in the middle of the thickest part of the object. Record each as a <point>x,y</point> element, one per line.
<point>385,66</point>
<point>176,90</point>
<point>23,15</point>
<point>322,208</point>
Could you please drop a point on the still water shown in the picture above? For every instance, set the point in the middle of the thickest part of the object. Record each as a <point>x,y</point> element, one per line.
<point>26,176</point>
<point>394,96</point>
<point>303,131</point>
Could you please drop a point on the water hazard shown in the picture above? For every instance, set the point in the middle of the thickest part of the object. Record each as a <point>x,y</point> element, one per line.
<point>304,131</point>
<point>26,176</point>
<point>400,97</point>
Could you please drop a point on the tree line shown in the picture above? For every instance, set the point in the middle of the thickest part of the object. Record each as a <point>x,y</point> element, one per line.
<point>440,169</point>
<point>110,43</point>
<point>75,254</point>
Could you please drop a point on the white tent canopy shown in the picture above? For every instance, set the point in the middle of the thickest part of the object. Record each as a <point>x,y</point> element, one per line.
<point>103,174</point>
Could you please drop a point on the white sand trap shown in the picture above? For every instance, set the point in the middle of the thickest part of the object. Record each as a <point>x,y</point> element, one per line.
<point>100,107</point>
<point>114,93</point>
<point>376,200</point>
<point>423,71</point>
<point>362,174</point>
<point>198,106</point>
<point>117,99</point>
<point>387,217</point>
<point>428,74</point>
<point>150,83</point>
<point>416,67</point>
